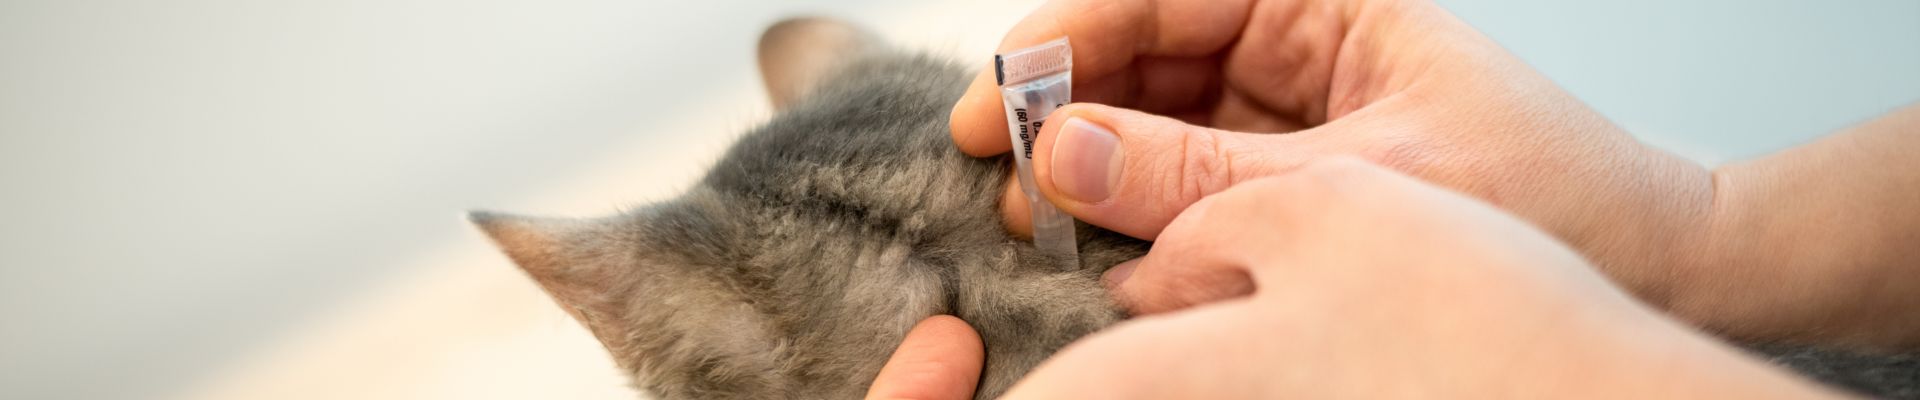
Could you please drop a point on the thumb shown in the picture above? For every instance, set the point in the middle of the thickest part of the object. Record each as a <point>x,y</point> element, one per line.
<point>940,359</point>
<point>1132,172</point>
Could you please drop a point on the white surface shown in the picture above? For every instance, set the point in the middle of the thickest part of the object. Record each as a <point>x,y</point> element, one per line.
<point>226,199</point>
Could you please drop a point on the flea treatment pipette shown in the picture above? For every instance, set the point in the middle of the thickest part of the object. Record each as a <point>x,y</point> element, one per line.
<point>1033,82</point>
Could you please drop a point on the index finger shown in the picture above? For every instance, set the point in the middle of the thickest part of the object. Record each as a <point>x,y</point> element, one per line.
<point>1107,36</point>
<point>940,359</point>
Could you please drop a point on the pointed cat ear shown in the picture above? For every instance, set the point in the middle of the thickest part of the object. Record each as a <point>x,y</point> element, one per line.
<point>796,53</point>
<point>570,258</point>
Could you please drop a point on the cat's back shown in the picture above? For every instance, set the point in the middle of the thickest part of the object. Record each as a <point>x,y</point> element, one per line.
<point>866,157</point>
<point>882,113</point>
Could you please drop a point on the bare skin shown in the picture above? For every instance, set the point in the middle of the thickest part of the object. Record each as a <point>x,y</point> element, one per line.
<point>1819,243</point>
<point>1477,304</point>
<point>1277,273</point>
<point>1815,244</point>
<point>940,359</point>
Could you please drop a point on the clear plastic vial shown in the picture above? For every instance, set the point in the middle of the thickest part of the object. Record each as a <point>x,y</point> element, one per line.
<point>1033,82</point>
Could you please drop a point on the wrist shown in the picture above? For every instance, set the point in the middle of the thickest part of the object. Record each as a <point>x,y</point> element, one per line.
<point>1711,257</point>
<point>1645,234</point>
<point>1711,269</point>
<point>1789,255</point>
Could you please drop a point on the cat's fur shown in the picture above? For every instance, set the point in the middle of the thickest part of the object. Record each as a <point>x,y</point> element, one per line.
<point>798,263</point>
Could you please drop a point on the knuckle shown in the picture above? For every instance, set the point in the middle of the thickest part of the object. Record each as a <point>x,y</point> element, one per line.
<point>1205,165</point>
<point>1190,222</point>
<point>1215,222</point>
<point>1211,210</point>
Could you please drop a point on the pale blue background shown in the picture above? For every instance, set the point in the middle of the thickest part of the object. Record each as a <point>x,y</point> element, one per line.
<point>183,180</point>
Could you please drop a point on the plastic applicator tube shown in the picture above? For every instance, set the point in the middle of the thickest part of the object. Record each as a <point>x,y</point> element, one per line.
<point>1033,82</point>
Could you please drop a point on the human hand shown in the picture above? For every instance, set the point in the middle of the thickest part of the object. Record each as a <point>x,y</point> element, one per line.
<point>940,359</point>
<point>1400,83</point>
<point>1369,284</point>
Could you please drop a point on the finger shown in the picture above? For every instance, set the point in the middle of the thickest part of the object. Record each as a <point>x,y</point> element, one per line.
<point>940,359</point>
<point>1132,172</point>
<point>1013,206</point>
<point>1201,258</point>
<point>1157,85</point>
<point>1165,164</point>
<point>978,121</point>
<point>1107,37</point>
<point>1235,242</point>
<point>1168,356</point>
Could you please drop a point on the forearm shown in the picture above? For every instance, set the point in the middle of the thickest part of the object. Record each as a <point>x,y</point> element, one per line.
<point>1820,243</point>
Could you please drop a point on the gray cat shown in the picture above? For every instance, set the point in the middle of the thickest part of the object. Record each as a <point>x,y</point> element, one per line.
<point>798,263</point>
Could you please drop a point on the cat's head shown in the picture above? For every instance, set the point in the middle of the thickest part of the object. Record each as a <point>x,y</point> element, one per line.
<point>654,287</point>
<point>792,268</point>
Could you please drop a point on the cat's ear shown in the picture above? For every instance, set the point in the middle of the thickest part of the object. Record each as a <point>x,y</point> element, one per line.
<point>795,54</point>
<point>574,260</point>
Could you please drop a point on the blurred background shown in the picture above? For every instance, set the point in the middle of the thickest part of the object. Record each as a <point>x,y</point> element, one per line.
<point>240,199</point>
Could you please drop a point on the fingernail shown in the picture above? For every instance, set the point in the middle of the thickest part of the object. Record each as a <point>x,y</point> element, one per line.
<point>1119,273</point>
<point>1086,161</point>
